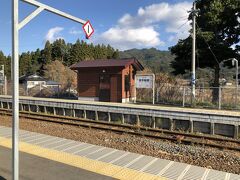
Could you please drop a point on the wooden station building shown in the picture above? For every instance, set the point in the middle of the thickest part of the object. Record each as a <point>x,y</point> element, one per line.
<point>107,80</point>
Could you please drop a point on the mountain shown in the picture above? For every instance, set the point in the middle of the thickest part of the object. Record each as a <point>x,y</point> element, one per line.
<point>156,60</point>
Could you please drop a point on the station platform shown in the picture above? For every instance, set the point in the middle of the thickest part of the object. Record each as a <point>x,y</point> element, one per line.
<point>215,122</point>
<point>37,168</point>
<point>78,160</point>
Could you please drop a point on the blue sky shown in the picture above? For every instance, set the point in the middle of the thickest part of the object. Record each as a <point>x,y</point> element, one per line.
<point>124,24</point>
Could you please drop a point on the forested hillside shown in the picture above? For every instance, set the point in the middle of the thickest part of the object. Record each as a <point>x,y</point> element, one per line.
<point>156,60</point>
<point>66,53</point>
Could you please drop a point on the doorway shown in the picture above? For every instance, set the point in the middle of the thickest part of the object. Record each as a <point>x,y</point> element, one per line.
<point>104,88</point>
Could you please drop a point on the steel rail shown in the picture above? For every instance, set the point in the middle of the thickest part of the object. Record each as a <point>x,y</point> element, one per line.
<point>130,129</point>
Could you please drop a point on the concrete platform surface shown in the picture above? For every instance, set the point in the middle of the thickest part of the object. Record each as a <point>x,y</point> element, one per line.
<point>36,168</point>
<point>107,161</point>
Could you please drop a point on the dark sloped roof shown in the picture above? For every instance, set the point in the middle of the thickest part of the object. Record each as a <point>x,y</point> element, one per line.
<point>33,77</point>
<point>108,63</point>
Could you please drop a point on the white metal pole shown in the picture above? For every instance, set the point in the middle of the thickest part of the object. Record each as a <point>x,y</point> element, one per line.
<point>5,85</point>
<point>135,89</point>
<point>193,51</point>
<point>236,74</point>
<point>236,81</point>
<point>153,89</point>
<point>3,80</point>
<point>219,97</point>
<point>184,90</point>
<point>15,98</point>
<point>3,70</point>
<point>16,26</point>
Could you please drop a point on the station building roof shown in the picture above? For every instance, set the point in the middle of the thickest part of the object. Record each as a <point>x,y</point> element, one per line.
<point>108,63</point>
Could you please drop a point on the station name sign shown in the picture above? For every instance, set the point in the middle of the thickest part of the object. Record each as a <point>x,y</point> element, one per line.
<point>144,81</point>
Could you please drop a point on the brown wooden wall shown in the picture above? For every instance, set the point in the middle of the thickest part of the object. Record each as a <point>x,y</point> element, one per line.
<point>116,88</point>
<point>89,82</point>
<point>131,72</point>
<point>90,85</point>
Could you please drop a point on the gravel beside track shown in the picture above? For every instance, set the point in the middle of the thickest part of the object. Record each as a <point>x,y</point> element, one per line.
<point>223,160</point>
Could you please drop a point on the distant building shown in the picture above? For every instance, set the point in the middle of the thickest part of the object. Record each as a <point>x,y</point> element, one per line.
<point>30,81</point>
<point>107,80</point>
<point>52,85</point>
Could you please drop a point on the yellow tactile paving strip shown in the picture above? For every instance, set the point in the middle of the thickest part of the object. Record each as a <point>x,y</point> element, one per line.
<point>98,167</point>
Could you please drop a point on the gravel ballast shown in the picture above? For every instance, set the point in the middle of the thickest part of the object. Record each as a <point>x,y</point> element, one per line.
<point>223,160</point>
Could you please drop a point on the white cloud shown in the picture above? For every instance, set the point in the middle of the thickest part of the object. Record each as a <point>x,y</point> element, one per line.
<point>140,30</point>
<point>173,15</point>
<point>131,37</point>
<point>74,31</point>
<point>54,33</point>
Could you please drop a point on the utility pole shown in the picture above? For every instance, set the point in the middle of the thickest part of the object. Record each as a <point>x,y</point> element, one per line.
<point>193,78</point>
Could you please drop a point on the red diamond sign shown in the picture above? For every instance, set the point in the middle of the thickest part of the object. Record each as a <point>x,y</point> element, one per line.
<point>88,29</point>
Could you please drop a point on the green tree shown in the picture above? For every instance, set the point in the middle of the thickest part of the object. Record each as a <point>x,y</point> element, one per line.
<point>35,60</point>
<point>68,54</point>
<point>76,53</point>
<point>59,49</point>
<point>98,53</point>
<point>8,67</point>
<point>47,53</point>
<point>6,61</point>
<point>116,54</point>
<point>25,64</point>
<point>2,58</point>
<point>217,28</point>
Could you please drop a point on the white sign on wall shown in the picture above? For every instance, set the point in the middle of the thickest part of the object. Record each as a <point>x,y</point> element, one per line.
<point>144,81</point>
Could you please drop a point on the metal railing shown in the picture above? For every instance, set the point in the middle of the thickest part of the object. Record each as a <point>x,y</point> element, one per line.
<point>206,97</point>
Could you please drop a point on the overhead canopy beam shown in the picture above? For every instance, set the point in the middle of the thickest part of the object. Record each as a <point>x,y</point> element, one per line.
<point>30,17</point>
<point>50,9</point>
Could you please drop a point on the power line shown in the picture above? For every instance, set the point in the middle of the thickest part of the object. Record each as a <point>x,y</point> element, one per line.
<point>183,17</point>
<point>183,24</point>
<point>209,47</point>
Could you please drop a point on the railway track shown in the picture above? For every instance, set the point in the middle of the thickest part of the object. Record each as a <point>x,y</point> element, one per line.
<point>173,136</point>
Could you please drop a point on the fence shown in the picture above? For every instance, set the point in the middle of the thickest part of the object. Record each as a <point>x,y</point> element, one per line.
<point>168,94</point>
<point>206,97</point>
